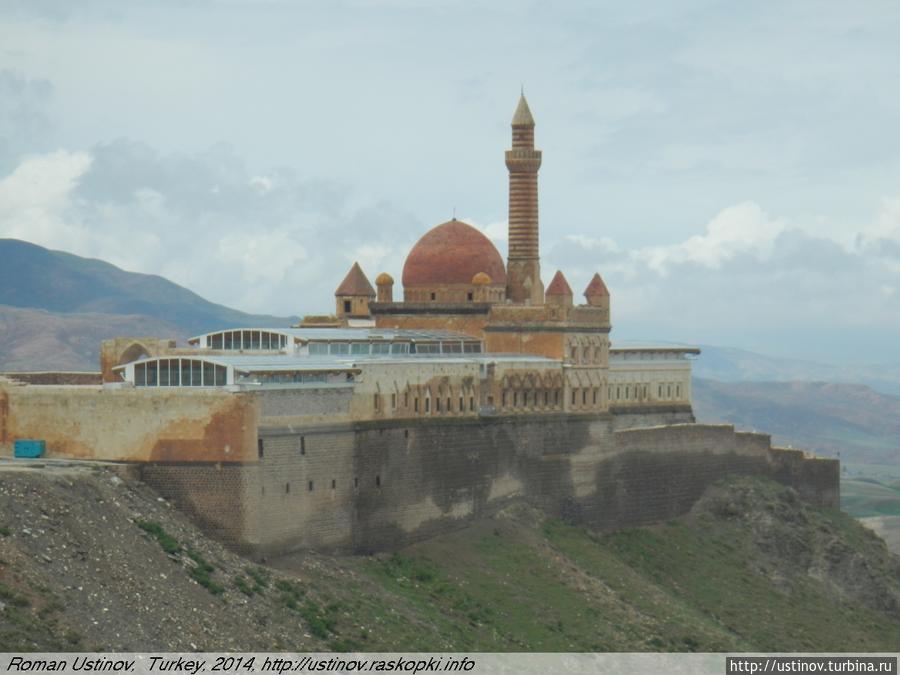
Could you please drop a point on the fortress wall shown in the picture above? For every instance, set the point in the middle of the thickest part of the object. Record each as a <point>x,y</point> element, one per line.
<point>305,401</point>
<point>429,478</point>
<point>292,516</point>
<point>680,438</point>
<point>816,479</point>
<point>408,482</point>
<point>220,498</point>
<point>651,416</point>
<point>148,424</point>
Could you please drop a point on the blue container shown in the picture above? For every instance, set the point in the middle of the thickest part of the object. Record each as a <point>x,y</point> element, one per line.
<point>29,448</point>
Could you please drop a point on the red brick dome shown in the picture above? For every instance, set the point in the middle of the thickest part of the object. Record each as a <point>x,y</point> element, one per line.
<point>452,253</point>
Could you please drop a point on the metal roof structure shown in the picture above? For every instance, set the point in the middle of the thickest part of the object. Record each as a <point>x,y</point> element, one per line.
<point>286,362</point>
<point>349,334</point>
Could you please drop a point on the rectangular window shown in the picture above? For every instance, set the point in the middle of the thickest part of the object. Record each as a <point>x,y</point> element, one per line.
<point>437,405</point>
<point>504,398</point>
<point>359,348</point>
<point>427,405</point>
<point>381,348</point>
<point>245,339</point>
<point>151,374</point>
<point>348,306</point>
<point>140,375</point>
<point>471,404</point>
<point>574,394</point>
<point>164,373</point>
<point>310,486</point>
<point>227,342</point>
<point>217,341</point>
<point>196,373</point>
<point>209,374</point>
<point>378,481</point>
<point>338,348</point>
<point>596,393</point>
<point>377,402</point>
<point>462,404</point>
<point>469,297</point>
<point>584,397</point>
<point>416,405</point>
<point>333,483</point>
<point>185,372</point>
<point>287,488</point>
<point>303,445</point>
<point>260,449</point>
<point>221,376</point>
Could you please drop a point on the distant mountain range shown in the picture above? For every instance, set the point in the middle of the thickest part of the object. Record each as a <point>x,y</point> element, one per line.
<point>728,364</point>
<point>829,418</point>
<point>56,307</point>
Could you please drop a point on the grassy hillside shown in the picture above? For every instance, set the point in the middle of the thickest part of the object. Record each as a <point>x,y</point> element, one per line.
<point>90,562</point>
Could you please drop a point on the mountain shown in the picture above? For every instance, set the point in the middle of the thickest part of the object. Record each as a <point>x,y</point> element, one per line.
<point>35,339</point>
<point>56,308</point>
<point>37,278</point>
<point>750,569</point>
<point>854,420</point>
<point>728,364</point>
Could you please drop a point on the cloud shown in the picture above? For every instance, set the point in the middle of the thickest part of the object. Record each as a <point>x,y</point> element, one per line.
<point>36,199</point>
<point>261,242</point>
<point>26,124</point>
<point>740,229</point>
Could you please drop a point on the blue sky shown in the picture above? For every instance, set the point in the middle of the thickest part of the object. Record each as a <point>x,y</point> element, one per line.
<point>732,169</point>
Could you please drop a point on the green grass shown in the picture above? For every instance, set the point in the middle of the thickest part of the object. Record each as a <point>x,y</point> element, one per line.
<point>694,584</point>
<point>167,542</point>
<point>201,571</point>
<point>5,531</point>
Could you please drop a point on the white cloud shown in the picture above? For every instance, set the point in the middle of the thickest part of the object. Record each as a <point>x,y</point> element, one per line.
<point>739,229</point>
<point>36,197</point>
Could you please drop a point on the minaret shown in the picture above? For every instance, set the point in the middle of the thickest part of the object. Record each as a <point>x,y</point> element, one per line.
<point>523,265</point>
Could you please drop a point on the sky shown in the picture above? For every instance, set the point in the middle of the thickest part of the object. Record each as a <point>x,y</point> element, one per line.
<point>731,169</point>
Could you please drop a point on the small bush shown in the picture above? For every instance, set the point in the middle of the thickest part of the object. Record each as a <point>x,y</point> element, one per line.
<point>202,573</point>
<point>260,578</point>
<point>10,596</point>
<point>5,531</point>
<point>240,582</point>
<point>167,542</point>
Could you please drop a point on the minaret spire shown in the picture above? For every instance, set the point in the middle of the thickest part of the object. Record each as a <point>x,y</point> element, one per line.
<point>523,161</point>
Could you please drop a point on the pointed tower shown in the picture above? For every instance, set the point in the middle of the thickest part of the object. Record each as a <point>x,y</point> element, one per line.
<point>523,265</point>
<point>597,294</point>
<point>559,292</point>
<point>352,297</point>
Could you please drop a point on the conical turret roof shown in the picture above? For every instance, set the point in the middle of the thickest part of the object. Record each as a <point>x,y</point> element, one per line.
<point>355,283</point>
<point>523,117</point>
<point>559,285</point>
<point>596,288</point>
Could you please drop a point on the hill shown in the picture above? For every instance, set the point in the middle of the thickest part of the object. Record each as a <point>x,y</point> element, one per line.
<point>35,339</point>
<point>91,561</point>
<point>828,418</point>
<point>727,364</point>
<point>55,308</point>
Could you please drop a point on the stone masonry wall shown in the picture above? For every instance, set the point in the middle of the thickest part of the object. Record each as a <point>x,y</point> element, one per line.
<point>381,486</point>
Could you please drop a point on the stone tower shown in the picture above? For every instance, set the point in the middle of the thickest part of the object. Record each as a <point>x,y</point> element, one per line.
<point>523,265</point>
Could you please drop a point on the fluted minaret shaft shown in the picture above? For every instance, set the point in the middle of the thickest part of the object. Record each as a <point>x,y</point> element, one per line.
<point>523,161</point>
